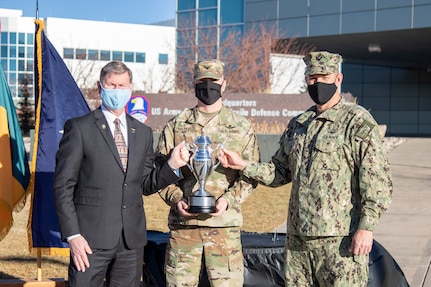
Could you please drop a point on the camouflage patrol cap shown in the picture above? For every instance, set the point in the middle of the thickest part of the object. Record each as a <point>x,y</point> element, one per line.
<point>212,69</point>
<point>321,62</point>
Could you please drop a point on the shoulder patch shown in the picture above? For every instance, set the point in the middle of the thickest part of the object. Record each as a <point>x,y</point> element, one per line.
<point>364,129</point>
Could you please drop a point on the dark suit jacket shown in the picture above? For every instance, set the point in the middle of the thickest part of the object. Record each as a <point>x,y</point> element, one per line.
<point>93,195</point>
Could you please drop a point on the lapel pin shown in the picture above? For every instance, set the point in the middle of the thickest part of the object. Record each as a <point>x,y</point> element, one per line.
<point>103,126</point>
<point>133,130</point>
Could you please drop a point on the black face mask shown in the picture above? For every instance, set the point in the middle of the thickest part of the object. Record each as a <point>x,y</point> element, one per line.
<point>208,92</point>
<point>321,93</point>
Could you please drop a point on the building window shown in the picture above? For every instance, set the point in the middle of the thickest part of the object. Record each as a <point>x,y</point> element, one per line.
<point>81,54</point>
<point>93,55</point>
<point>105,55</point>
<point>4,37</point>
<point>186,19</point>
<point>117,56</point>
<point>163,59</point>
<point>140,57</point>
<point>12,65</point>
<point>129,56</point>
<point>12,51</point>
<point>4,51</point>
<point>186,4</point>
<point>30,51</point>
<point>207,3</point>
<point>21,65</point>
<point>30,39</point>
<point>207,17</point>
<point>30,66</point>
<point>12,38</point>
<point>21,52</point>
<point>4,64</point>
<point>231,11</point>
<point>21,38</point>
<point>68,53</point>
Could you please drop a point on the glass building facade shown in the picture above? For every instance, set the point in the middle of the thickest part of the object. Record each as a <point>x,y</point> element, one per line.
<point>385,44</point>
<point>16,55</point>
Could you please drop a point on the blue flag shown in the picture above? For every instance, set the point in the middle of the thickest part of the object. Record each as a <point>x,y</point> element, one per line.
<point>14,170</point>
<point>58,99</point>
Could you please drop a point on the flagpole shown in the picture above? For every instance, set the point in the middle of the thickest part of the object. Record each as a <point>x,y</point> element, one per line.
<point>39,252</point>
<point>37,9</point>
<point>39,265</point>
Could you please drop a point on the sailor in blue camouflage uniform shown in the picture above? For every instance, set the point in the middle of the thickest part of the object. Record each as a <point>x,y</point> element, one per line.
<point>216,236</point>
<point>333,154</point>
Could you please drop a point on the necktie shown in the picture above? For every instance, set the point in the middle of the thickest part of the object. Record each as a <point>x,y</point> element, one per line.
<point>120,143</point>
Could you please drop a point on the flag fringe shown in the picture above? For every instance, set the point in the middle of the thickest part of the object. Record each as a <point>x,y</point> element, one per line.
<point>50,251</point>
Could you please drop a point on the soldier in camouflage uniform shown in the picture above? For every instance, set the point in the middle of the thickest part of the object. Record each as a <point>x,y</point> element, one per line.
<point>334,156</point>
<point>216,236</point>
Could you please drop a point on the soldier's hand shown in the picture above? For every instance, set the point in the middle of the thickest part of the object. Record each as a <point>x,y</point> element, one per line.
<point>230,159</point>
<point>362,242</point>
<point>221,206</point>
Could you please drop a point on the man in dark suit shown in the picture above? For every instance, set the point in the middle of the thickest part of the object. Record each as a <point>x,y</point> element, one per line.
<point>102,169</point>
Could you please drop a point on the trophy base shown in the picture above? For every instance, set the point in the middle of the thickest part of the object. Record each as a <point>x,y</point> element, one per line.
<point>202,204</point>
<point>201,209</point>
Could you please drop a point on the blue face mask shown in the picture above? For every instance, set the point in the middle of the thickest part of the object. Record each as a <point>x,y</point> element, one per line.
<point>115,99</point>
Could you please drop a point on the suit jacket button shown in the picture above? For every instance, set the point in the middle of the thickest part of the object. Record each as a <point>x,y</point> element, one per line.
<point>125,185</point>
<point>124,206</point>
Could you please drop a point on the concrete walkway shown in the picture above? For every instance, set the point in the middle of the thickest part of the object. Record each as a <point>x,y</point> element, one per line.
<point>405,229</point>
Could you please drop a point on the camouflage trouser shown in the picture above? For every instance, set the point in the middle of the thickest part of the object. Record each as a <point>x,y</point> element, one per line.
<point>221,248</point>
<point>323,261</point>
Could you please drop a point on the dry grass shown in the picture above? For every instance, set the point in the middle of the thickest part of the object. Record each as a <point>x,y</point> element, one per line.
<point>263,211</point>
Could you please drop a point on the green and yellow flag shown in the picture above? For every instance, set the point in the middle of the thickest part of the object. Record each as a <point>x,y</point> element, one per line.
<point>14,168</point>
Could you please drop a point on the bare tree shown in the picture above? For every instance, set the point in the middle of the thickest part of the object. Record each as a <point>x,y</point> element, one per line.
<point>247,56</point>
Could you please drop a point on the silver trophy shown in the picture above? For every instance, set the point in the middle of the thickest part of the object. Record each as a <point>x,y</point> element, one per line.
<point>201,201</point>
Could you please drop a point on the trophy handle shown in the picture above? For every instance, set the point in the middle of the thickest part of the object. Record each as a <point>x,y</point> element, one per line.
<point>194,151</point>
<point>217,163</point>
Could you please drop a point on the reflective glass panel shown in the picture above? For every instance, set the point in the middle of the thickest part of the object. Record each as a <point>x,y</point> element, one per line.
<point>68,53</point>
<point>30,38</point>
<point>186,19</point>
<point>163,59</point>
<point>129,56</point>
<point>4,37</point>
<point>21,52</point>
<point>105,55</point>
<point>207,3</point>
<point>4,51</point>
<point>81,54</point>
<point>30,51</point>
<point>93,55</point>
<point>186,4</point>
<point>117,56</point>
<point>140,57</point>
<point>12,38</point>
<point>12,51</point>
<point>207,17</point>
<point>21,38</point>
<point>231,11</point>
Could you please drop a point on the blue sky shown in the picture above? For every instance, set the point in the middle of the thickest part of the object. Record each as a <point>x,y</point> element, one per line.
<point>126,11</point>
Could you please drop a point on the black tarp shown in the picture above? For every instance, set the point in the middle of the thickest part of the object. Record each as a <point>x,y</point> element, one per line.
<point>264,260</point>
